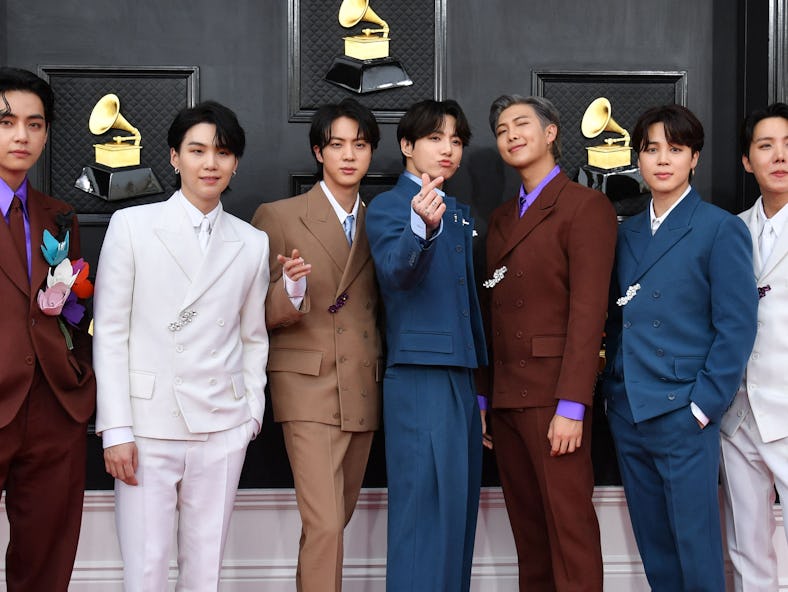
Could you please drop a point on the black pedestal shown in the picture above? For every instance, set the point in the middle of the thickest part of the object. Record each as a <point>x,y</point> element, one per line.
<point>363,76</point>
<point>116,184</point>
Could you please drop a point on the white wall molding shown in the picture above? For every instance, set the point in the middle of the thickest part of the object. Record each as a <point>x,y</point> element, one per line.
<point>263,544</point>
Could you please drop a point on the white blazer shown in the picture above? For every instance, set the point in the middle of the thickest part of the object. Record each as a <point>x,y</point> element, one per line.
<point>766,377</point>
<point>157,372</point>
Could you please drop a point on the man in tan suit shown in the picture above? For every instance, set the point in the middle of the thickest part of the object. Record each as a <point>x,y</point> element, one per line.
<point>549,257</point>
<point>325,348</point>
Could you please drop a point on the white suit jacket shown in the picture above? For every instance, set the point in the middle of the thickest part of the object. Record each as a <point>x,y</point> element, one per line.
<point>766,377</point>
<point>158,373</point>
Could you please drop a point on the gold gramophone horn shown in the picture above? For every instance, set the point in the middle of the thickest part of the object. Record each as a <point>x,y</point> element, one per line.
<point>106,115</point>
<point>352,12</point>
<point>597,119</point>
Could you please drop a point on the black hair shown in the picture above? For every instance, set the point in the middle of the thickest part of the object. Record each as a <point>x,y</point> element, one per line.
<point>426,117</point>
<point>753,119</point>
<point>682,128</point>
<point>229,133</point>
<point>26,81</point>
<point>326,115</point>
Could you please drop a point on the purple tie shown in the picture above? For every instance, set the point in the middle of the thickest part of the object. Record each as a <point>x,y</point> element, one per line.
<point>523,205</point>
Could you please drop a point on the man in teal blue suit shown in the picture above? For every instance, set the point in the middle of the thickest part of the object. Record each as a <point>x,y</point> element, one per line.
<point>421,244</point>
<point>681,325</point>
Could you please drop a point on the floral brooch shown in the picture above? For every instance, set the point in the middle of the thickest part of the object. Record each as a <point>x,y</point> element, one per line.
<point>631,291</point>
<point>496,278</point>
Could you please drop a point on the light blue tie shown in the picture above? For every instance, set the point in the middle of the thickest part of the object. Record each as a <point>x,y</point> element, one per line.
<point>348,226</point>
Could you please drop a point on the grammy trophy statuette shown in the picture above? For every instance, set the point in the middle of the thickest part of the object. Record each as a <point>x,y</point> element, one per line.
<point>366,65</point>
<point>609,155</point>
<point>117,173</point>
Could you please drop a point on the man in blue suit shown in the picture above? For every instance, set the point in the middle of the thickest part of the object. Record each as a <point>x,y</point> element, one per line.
<point>421,244</point>
<point>681,325</point>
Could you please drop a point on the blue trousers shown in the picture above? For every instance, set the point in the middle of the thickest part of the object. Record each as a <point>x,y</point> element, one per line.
<point>433,463</point>
<point>669,468</point>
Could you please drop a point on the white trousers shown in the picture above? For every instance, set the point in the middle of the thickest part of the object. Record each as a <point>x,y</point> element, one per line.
<point>199,480</point>
<point>750,470</point>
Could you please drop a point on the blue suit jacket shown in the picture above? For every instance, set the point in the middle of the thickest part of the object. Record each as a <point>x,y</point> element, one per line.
<point>429,292</point>
<point>687,333</point>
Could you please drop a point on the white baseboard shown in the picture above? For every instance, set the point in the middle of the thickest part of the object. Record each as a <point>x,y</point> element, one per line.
<point>262,548</point>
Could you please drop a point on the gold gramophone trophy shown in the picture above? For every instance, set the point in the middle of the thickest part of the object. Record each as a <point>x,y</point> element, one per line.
<point>366,65</point>
<point>609,155</point>
<point>117,173</point>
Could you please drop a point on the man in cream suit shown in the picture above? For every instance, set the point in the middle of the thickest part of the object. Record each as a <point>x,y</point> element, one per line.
<point>180,350</point>
<point>755,428</point>
<point>325,349</point>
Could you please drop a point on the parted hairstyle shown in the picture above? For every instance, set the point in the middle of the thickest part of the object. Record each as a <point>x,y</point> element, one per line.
<point>26,81</point>
<point>749,123</point>
<point>682,128</point>
<point>320,130</point>
<point>545,111</point>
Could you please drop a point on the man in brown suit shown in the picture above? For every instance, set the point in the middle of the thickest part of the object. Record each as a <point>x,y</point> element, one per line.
<point>549,258</point>
<point>323,364</point>
<point>47,389</point>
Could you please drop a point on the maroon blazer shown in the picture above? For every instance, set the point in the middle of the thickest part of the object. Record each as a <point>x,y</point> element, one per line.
<point>545,318</point>
<point>27,335</point>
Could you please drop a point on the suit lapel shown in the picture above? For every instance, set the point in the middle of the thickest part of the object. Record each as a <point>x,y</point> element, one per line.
<point>10,263</point>
<point>359,252</point>
<point>178,237</point>
<point>751,218</point>
<point>652,248</point>
<point>322,223</point>
<point>779,251</point>
<point>42,217</point>
<point>514,229</point>
<point>222,250</point>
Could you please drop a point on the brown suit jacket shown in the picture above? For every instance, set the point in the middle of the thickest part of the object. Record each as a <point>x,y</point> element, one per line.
<point>27,336</point>
<point>322,366</point>
<point>546,316</point>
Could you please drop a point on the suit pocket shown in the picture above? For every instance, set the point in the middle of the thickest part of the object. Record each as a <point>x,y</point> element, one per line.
<point>687,367</point>
<point>239,386</point>
<point>441,343</point>
<point>141,384</point>
<point>548,346</point>
<point>299,361</point>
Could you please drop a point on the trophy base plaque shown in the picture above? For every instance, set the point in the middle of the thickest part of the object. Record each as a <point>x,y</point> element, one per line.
<point>116,184</point>
<point>117,155</point>
<point>364,76</point>
<point>609,157</point>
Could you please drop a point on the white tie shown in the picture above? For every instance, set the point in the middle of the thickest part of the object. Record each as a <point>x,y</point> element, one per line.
<point>204,234</point>
<point>767,240</point>
<point>348,226</point>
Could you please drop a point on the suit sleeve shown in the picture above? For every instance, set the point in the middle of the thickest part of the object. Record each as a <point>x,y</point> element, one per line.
<point>279,310</point>
<point>254,335</point>
<point>112,319</point>
<point>401,258</point>
<point>734,318</point>
<point>591,250</point>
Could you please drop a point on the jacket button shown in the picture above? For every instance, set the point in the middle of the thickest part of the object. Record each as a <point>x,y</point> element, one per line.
<point>178,380</point>
<point>336,416</point>
<point>340,330</point>
<point>461,281</point>
<point>212,381</point>
<point>656,324</point>
<point>465,313</point>
<point>524,392</point>
<point>656,294</point>
<point>458,248</point>
<point>175,413</point>
<point>179,348</point>
<point>220,322</point>
<point>366,363</point>
<point>671,396</point>
<point>519,335</point>
<point>361,421</point>
<point>29,360</point>
<point>739,413</point>
<point>519,303</point>
<point>364,393</point>
<point>627,325</point>
<point>522,363</point>
<point>519,273</point>
<point>343,359</point>
<point>660,352</point>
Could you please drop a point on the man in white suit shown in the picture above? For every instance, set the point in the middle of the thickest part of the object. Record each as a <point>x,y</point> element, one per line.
<point>755,428</point>
<point>180,350</point>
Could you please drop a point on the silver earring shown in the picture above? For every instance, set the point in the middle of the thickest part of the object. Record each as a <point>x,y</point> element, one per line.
<point>177,171</point>
<point>235,173</point>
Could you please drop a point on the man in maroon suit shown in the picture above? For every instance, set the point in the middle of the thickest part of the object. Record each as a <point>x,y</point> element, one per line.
<point>549,256</point>
<point>47,389</point>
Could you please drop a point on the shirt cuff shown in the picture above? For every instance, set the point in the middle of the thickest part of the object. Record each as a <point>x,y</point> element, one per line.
<point>699,415</point>
<point>482,400</point>
<point>570,409</point>
<point>115,436</point>
<point>419,228</point>
<point>295,290</point>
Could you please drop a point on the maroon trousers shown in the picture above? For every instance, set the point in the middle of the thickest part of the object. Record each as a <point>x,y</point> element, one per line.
<point>42,469</point>
<point>548,500</point>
